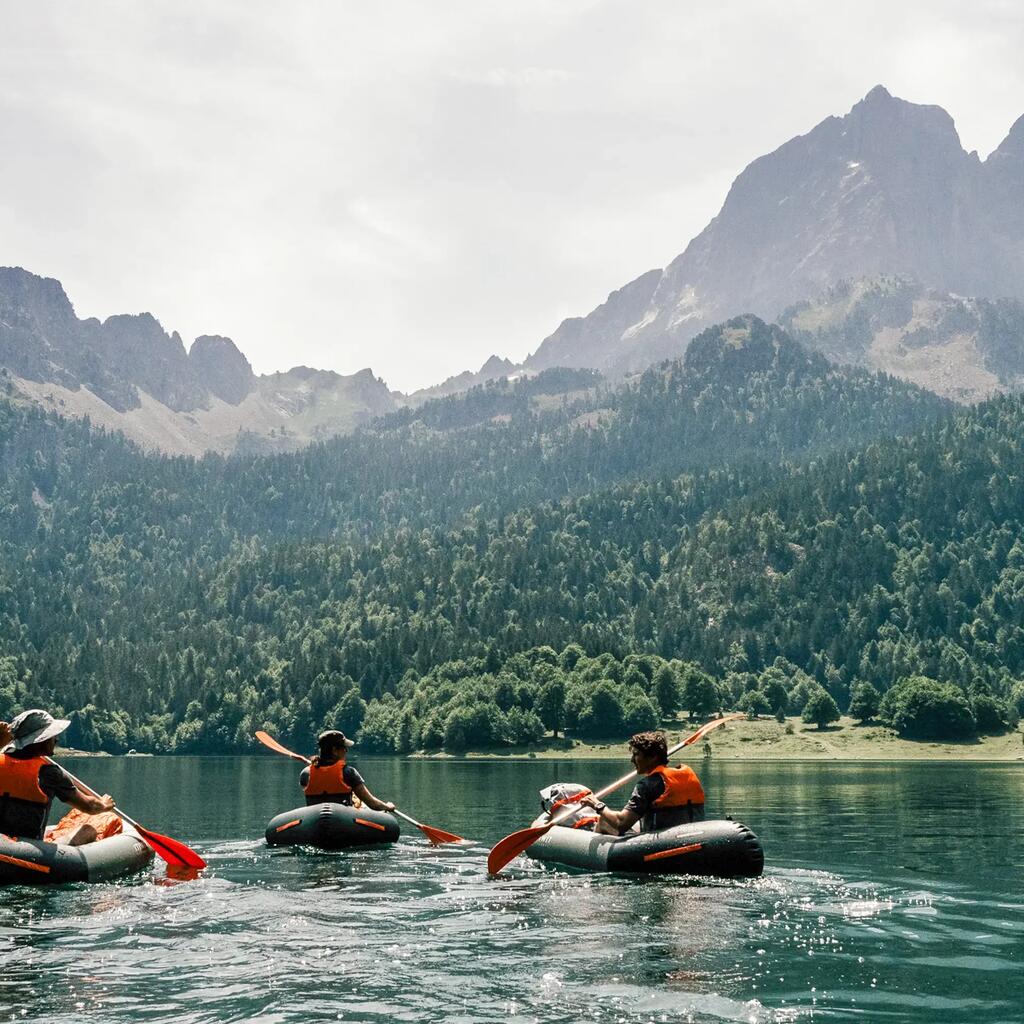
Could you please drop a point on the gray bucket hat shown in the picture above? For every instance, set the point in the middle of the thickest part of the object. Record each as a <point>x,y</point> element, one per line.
<point>35,726</point>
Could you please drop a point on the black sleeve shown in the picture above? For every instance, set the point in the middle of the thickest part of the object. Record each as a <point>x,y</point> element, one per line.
<point>304,778</point>
<point>55,782</point>
<point>647,790</point>
<point>352,777</point>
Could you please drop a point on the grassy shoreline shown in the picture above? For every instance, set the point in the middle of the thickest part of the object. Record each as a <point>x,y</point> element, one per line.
<point>761,740</point>
<point>767,739</point>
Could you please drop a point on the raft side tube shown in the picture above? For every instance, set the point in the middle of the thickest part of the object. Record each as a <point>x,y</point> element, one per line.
<point>332,827</point>
<point>722,849</point>
<point>38,862</point>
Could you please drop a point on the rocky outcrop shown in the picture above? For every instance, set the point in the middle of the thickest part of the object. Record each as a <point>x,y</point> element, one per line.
<point>217,362</point>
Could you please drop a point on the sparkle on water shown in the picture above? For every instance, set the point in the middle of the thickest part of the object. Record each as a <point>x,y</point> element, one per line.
<point>892,893</point>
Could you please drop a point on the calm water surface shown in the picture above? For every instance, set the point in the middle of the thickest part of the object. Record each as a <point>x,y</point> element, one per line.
<point>892,893</point>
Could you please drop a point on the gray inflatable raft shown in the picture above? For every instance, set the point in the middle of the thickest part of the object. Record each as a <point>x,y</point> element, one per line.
<point>332,827</point>
<point>38,862</point>
<point>725,849</point>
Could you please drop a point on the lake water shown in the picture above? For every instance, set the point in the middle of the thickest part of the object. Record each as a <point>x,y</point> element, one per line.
<point>892,892</point>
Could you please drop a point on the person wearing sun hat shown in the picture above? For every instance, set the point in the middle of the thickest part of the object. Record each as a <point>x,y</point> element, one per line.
<point>29,780</point>
<point>329,779</point>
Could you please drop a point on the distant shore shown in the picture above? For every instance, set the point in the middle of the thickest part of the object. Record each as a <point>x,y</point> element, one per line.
<point>794,740</point>
<point>762,740</point>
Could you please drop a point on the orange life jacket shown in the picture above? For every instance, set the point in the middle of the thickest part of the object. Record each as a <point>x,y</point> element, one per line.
<point>19,779</point>
<point>327,784</point>
<point>682,787</point>
<point>24,807</point>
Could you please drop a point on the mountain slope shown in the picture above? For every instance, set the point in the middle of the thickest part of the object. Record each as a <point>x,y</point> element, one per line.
<point>965,349</point>
<point>885,190</point>
<point>179,601</point>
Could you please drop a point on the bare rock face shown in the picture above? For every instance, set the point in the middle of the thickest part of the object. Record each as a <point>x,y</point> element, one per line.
<point>127,373</point>
<point>135,348</point>
<point>42,340</point>
<point>218,363</point>
<point>886,190</point>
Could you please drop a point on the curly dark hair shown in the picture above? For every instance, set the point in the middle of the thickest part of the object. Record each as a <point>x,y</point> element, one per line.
<point>650,744</point>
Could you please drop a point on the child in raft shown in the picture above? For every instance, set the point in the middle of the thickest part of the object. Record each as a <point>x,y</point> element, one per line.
<point>330,780</point>
<point>29,780</point>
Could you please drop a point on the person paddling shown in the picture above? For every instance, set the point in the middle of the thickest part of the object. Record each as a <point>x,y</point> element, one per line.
<point>662,798</point>
<point>29,782</point>
<point>329,779</point>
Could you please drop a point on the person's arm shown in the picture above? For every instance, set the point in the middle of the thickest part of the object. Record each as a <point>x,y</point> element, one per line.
<point>54,781</point>
<point>619,820</point>
<point>370,800</point>
<point>89,803</point>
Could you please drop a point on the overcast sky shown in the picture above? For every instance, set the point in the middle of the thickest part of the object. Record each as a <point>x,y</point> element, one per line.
<point>414,185</point>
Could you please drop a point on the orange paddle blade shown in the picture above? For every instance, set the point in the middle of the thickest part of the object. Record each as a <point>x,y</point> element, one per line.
<point>511,846</point>
<point>173,852</point>
<point>438,836</point>
<point>269,741</point>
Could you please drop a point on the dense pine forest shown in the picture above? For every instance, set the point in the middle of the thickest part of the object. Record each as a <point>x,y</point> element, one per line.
<point>749,527</point>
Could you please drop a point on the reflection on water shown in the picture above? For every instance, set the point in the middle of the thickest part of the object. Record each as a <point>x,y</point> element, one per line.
<point>892,893</point>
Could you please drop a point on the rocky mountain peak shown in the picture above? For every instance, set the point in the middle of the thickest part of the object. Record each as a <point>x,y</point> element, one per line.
<point>496,367</point>
<point>886,189</point>
<point>218,363</point>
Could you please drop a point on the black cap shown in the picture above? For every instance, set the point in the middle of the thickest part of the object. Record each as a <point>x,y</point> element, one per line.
<point>334,738</point>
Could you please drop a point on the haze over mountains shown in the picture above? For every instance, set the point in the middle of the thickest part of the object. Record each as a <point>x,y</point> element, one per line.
<point>875,239</point>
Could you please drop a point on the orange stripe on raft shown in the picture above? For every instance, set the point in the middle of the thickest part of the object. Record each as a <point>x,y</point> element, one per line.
<point>288,824</point>
<point>672,853</point>
<point>18,862</point>
<point>370,824</point>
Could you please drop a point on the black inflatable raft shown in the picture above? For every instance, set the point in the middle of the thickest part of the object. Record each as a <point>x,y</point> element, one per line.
<point>37,862</point>
<point>725,849</point>
<point>332,827</point>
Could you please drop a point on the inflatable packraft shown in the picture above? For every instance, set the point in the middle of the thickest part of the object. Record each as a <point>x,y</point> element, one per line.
<point>724,848</point>
<point>39,862</point>
<point>332,827</point>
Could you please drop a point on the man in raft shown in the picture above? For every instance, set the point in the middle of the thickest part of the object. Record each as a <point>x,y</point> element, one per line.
<point>29,782</point>
<point>330,780</point>
<point>662,798</point>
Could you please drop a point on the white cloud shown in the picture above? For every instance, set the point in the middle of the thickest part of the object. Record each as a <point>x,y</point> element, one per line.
<point>415,186</point>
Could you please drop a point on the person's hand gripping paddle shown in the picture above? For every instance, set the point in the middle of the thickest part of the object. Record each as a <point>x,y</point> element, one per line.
<point>437,836</point>
<point>511,846</point>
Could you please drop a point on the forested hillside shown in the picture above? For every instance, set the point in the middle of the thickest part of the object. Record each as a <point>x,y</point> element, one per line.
<point>448,575</point>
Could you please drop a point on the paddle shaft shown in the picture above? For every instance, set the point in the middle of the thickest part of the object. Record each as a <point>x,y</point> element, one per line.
<point>408,818</point>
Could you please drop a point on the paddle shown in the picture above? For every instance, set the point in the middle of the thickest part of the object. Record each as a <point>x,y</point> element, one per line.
<point>511,846</point>
<point>437,836</point>
<point>175,853</point>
